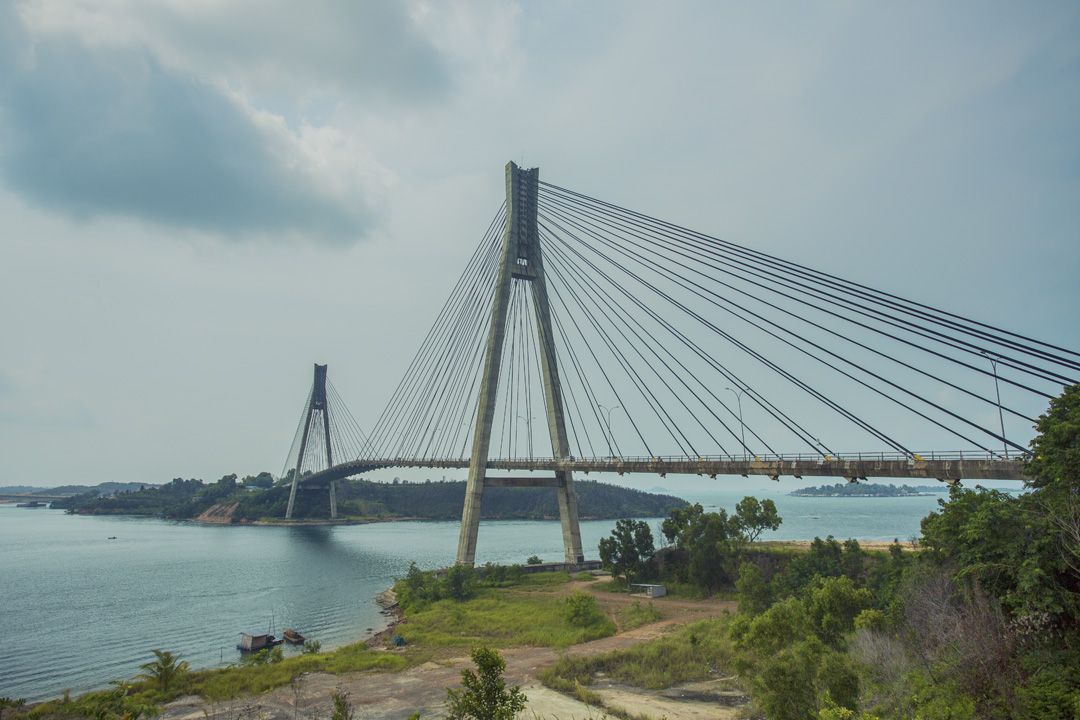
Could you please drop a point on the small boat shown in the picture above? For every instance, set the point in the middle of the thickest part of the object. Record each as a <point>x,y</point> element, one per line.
<point>293,637</point>
<point>250,642</point>
<point>32,504</point>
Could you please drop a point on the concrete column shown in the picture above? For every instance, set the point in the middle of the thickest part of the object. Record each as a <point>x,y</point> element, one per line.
<point>485,413</point>
<point>560,446</point>
<point>521,258</point>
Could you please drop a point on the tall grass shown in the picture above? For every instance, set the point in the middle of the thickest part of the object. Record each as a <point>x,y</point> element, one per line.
<point>699,651</point>
<point>501,619</point>
<point>637,614</point>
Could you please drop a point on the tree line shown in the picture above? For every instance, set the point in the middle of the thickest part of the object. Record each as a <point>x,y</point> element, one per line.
<point>980,621</point>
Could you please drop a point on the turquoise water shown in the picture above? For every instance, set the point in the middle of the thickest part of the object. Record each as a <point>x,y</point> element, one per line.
<point>80,609</point>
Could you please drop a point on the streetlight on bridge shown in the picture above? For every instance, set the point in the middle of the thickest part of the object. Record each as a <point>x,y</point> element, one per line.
<point>997,391</point>
<point>528,431</point>
<point>607,418</point>
<point>742,427</point>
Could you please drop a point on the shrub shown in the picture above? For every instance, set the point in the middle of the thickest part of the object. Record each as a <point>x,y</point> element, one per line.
<point>343,709</point>
<point>755,595</point>
<point>459,583</point>
<point>483,694</point>
<point>582,610</point>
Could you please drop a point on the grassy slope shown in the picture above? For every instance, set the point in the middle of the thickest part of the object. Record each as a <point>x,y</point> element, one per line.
<point>696,652</point>
<point>529,613</point>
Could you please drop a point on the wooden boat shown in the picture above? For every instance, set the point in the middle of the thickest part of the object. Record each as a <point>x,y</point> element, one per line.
<point>293,637</point>
<point>250,642</point>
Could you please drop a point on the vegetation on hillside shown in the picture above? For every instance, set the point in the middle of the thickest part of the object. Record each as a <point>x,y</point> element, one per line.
<point>984,622</point>
<point>256,498</point>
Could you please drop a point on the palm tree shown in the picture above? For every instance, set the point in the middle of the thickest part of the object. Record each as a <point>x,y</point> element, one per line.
<point>162,671</point>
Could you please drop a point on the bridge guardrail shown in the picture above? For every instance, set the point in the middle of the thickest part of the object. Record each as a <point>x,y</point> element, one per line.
<point>933,455</point>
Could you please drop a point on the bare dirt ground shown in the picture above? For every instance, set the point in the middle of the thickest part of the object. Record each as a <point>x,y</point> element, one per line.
<point>394,696</point>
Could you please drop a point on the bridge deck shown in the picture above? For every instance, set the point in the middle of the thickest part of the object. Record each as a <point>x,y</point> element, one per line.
<point>948,467</point>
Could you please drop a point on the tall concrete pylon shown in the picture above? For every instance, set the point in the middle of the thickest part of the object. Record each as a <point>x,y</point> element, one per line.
<point>317,405</point>
<point>521,260</point>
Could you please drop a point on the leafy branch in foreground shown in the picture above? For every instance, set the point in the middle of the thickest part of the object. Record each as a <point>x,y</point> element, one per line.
<point>483,694</point>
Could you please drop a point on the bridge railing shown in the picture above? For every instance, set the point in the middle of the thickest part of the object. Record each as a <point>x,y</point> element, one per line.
<point>821,458</point>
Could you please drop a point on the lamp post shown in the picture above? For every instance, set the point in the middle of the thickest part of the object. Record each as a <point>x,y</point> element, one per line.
<point>607,419</point>
<point>997,391</point>
<point>742,427</point>
<point>528,431</point>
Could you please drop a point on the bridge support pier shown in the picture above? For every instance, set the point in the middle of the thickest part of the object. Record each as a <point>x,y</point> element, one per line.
<point>521,260</point>
<point>317,405</point>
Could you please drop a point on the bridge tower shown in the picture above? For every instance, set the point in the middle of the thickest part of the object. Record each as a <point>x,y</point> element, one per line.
<point>317,415</point>
<point>522,261</point>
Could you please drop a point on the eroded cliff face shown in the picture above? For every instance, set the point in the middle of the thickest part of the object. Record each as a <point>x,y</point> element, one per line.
<point>220,513</point>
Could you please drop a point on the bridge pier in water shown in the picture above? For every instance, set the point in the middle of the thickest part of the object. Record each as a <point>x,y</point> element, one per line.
<point>521,260</point>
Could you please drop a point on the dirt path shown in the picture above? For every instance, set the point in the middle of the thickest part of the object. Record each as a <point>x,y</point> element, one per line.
<point>393,696</point>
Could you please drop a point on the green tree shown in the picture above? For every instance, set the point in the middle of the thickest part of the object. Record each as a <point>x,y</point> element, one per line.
<point>1054,472</point>
<point>784,685</point>
<point>755,594</point>
<point>833,605</point>
<point>460,582</point>
<point>483,694</point>
<point>709,542</point>
<point>753,517</point>
<point>1055,451</point>
<point>675,525</point>
<point>164,669</point>
<point>626,553</point>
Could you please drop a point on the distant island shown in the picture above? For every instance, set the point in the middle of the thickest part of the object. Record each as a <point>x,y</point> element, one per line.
<point>869,490</point>
<point>258,498</point>
<point>105,488</point>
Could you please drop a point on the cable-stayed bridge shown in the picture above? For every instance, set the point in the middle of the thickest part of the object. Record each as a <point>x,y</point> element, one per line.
<point>587,337</point>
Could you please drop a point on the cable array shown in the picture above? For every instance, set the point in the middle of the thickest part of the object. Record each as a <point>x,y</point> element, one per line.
<point>683,314</point>
<point>673,342</point>
<point>431,411</point>
<point>347,441</point>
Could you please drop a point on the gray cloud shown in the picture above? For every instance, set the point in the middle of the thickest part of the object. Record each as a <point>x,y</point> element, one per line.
<point>370,50</point>
<point>92,131</point>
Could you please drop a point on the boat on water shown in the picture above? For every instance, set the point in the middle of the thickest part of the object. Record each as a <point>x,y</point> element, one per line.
<point>32,504</point>
<point>252,642</point>
<point>293,637</point>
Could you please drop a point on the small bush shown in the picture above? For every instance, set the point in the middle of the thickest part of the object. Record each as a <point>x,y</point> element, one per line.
<point>582,610</point>
<point>637,614</point>
<point>459,583</point>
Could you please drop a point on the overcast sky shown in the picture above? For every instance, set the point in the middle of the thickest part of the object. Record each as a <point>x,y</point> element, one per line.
<point>200,199</point>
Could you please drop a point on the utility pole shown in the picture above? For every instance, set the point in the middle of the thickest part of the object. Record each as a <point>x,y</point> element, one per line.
<point>997,391</point>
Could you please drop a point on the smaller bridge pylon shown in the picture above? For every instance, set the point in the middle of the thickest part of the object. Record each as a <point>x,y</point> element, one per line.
<point>327,432</point>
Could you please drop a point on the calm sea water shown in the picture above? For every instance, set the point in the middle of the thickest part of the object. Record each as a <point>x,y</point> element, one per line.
<point>79,609</point>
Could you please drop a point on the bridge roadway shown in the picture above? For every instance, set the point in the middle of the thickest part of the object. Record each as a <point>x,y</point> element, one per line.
<point>14,497</point>
<point>948,467</point>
